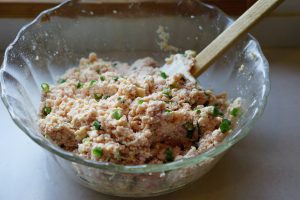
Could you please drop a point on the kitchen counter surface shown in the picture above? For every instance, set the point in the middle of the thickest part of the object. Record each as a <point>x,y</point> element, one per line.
<point>264,165</point>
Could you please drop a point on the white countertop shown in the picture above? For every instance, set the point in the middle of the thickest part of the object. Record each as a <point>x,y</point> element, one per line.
<point>264,165</point>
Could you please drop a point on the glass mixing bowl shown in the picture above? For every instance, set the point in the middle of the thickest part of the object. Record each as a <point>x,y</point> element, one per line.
<point>56,40</point>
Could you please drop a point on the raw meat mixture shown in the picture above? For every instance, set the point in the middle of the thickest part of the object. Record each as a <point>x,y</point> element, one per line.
<point>133,114</point>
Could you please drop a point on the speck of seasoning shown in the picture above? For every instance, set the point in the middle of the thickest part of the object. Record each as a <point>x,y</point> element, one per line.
<point>225,125</point>
<point>114,64</point>
<point>62,81</point>
<point>198,111</point>
<point>189,127</point>
<point>102,78</point>
<point>163,75</point>
<point>106,96</point>
<point>46,110</point>
<point>97,151</point>
<point>97,125</point>
<point>98,71</point>
<point>121,99</point>
<point>235,112</point>
<point>216,111</point>
<point>182,79</point>
<point>97,96</point>
<point>115,78</point>
<point>169,155</point>
<point>206,103</point>
<point>92,82</point>
<point>117,114</point>
<point>173,85</point>
<point>140,101</point>
<point>167,92</point>
<point>79,85</point>
<point>45,87</point>
<point>168,111</point>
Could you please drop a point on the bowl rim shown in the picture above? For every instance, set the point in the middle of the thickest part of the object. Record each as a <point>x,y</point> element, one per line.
<point>146,168</point>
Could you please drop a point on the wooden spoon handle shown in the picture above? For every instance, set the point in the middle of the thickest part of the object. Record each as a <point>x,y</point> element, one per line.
<point>226,39</point>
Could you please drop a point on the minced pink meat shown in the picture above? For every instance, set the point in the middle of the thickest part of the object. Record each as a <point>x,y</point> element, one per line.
<point>132,114</point>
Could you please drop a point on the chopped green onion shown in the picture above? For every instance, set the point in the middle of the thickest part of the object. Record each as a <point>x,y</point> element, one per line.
<point>62,80</point>
<point>216,112</point>
<point>189,127</point>
<point>97,151</point>
<point>169,155</point>
<point>163,75</point>
<point>97,96</point>
<point>106,96</point>
<point>235,112</point>
<point>168,111</point>
<point>79,85</point>
<point>198,111</point>
<point>225,125</point>
<point>140,101</point>
<point>102,78</point>
<point>45,87</point>
<point>87,139</point>
<point>117,114</point>
<point>92,83</point>
<point>97,125</point>
<point>116,78</point>
<point>46,110</point>
<point>167,92</point>
<point>121,99</point>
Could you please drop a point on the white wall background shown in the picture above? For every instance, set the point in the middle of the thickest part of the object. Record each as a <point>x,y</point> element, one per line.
<point>281,29</point>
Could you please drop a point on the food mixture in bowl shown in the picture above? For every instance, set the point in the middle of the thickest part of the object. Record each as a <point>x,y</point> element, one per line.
<point>133,114</point>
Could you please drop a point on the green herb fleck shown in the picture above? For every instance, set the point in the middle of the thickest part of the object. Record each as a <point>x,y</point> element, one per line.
<point>121,99</point>
<point>92,83</point>
<point>102,78</point>
<point>98,71</point>
<point>115,78</point>
<point>163,75</point>
<point>140,101</point>
<point>106,96</point>
<point>97,125</point>
<point>225,125</point>
<point>168,111</point>
<point>97,151</point>
<point>97,96</point>
<point>46,110</point>
<point>62,80</point>
<point>167,92</point>
<point>86,140</point>
<point>79,85</point>
<point>189,127</point>
<point>169,155</point>
<point>235,112</point>
<point>117,114</point>
<point>216,111</point>
<point>198,111</point>
<point>45,87</point>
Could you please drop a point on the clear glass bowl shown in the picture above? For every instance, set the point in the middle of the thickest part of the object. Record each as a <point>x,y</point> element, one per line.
<point>56,40</point>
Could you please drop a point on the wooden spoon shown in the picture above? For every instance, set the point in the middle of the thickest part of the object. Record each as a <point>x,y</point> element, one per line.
<point>223,42</point>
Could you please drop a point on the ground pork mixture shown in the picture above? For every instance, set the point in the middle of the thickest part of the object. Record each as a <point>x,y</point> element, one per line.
<point>133,114</point>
